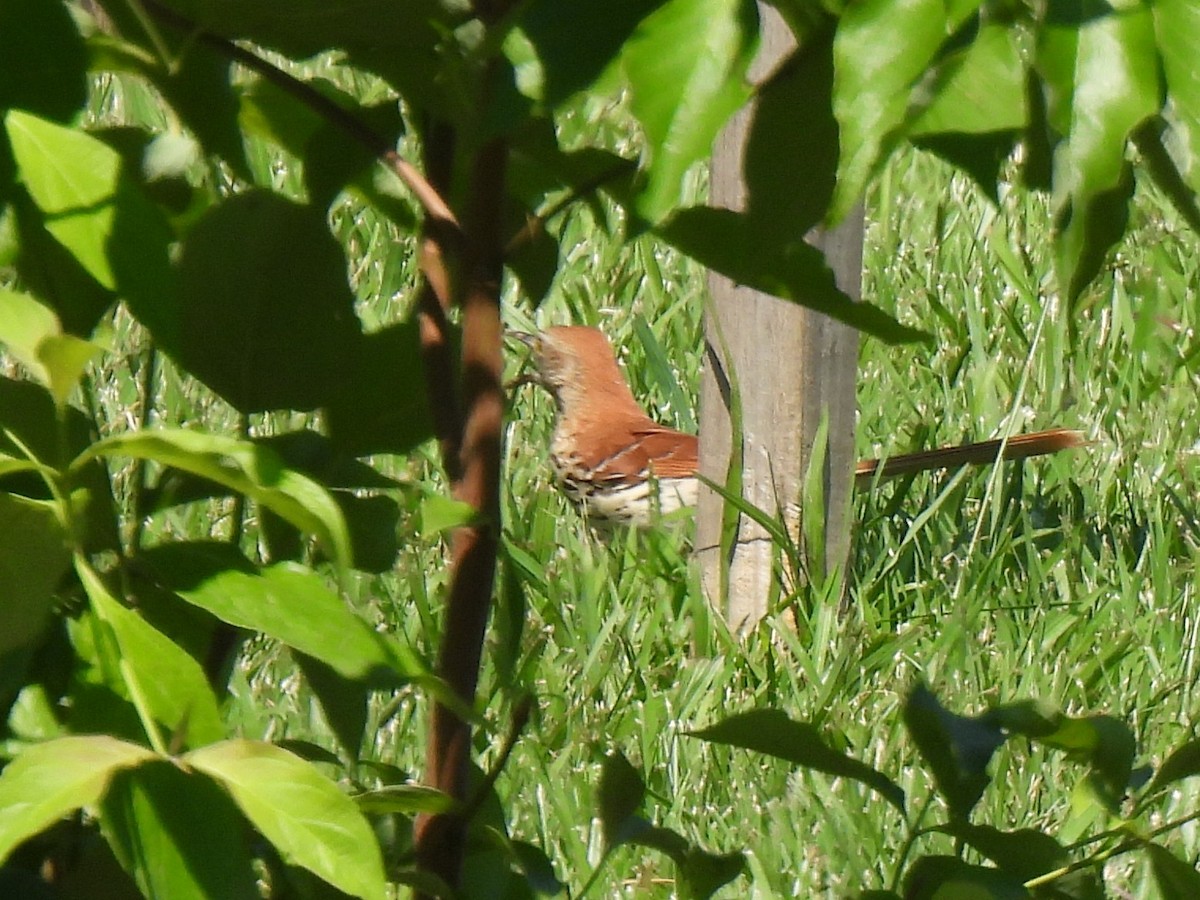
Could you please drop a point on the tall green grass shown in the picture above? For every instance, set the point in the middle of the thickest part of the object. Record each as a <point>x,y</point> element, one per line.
<point>1069,579</point>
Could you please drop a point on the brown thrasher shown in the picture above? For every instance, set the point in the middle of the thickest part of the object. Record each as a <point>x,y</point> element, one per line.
<point>622,466</point>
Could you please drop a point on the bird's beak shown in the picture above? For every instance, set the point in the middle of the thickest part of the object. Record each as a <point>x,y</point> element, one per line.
<point>529,340</point>
<point>525,377</point>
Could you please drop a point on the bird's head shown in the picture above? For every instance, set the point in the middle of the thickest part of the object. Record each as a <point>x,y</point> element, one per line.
<point>577,365</point>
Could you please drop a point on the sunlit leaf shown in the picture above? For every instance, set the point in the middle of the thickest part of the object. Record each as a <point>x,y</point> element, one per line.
<point>285,601</point>
<point>408,799</point>
<point>33,335</point>
<point>245,467</point>
<point>1115,89</point>
<point>47,781</point>
<point>34,555</point>
<point>1177,32</point>
<point>169,681</point>
<point>686,65</point>
<point>308,819</point>
<point>882,49</point>
<point>104,220</point>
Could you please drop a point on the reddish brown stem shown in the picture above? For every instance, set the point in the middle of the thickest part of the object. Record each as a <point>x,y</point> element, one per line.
<point>440,839</point>
<point>434,301</point>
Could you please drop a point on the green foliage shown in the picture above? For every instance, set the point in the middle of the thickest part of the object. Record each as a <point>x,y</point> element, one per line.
<point>192,250</point>
<point>1026,862</point>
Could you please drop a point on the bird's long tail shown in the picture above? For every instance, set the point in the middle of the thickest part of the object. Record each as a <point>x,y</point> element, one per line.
<point>1021,446</point>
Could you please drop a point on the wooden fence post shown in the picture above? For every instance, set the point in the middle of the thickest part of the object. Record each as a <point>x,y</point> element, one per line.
<point>793,367</point>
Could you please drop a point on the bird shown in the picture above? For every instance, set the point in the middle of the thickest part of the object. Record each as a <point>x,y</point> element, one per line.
<point>622,467</point>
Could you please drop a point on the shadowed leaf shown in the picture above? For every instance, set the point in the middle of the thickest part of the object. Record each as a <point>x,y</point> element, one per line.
<point>778,264</point>
<point>619,797</point>
<point>956,748</point>
<point>1176,879</point>
<point>178,834</point>
<point>267,315</point>
<point>770,731</point>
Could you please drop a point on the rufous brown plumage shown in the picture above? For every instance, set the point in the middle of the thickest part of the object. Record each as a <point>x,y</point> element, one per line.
<point>622,466</point>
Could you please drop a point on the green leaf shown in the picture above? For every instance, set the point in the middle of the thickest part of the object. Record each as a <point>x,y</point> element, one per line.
<point>47,781</point>
<point>373,524</point>
<point>382,406</point>
<point>1184,762</point>
<point>881,50</point>
<point>311,823</point>
<point>792,146</point>
<point>1177,33</point>
<point>28,413</point>
<point>1166,174</point>
<point>981,156</point>
<point>107,224</point>
<point>575,41</point>
<point>664,839</point>
<point>977,106</point>
<point>949,878</point>
<point>770,731</point>
<point>34,555</point>
<point>408,44</point>
<point>441,513</point>
<point>1115,89</point>
<point>51,272</point>
<point>169,682</point>
<point>286,601</point>
<point>701,874</point>
<point>1107,744</point>
<point>619,797</point>
<point>73,178</point>
<point>1024,854</point>
<point>33,335</point>
<point>1176,879</point>
<point>956,748</point>
<point>245,467</point>
<point>686,65</point>
<point>1103,742</point>
<point>177,834</point>
<point>536,866</point>
<point>331,158</point>
<point>407,799</point>
<point>782,265</point>
<point>44,68</point>
<point>192,76</point>
<point>343,701</point>
<point>267,315</point>
<point>978,89</point>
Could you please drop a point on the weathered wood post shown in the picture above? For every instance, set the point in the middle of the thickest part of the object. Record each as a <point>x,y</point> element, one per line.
<point>793,367</point>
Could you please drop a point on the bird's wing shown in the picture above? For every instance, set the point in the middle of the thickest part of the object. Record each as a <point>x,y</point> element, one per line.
<point>654,450</point>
